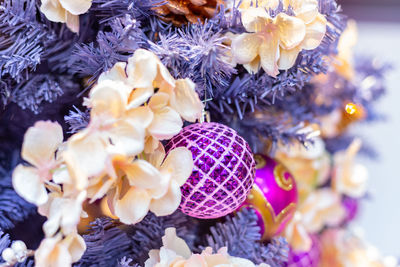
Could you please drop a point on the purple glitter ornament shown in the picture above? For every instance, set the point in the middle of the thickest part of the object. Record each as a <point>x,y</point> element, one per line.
<point>223,172</point>
<point>351,207</point>
<point>310,258</point>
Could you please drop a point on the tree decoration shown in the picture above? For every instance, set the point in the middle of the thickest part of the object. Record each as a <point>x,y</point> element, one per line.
<point>223,171</point>
<point>183,11</point>
<point>273,196</point>
<point>90,113</point>
<point>310,258</point>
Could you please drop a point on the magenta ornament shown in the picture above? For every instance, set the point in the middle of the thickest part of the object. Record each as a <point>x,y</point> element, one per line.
<point>309,258</point>
<point>351,207</point>
<point>223,172</point>
<point>273,196</point>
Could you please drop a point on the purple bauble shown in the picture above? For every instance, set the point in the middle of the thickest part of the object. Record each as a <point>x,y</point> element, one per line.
<point>223,172</point>
<point>351,207</point>
<point>273,196</point>
<point>310,258</point>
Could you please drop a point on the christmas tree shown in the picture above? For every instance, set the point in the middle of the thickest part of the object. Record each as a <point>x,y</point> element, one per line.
<point>182,133</point>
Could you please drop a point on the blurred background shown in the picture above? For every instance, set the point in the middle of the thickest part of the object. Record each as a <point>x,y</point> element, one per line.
<point>379,36</point>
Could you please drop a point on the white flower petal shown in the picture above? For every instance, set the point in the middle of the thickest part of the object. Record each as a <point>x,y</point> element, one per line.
<point>315,32</point>
<point>269,55</point>
<point>306,10</point>
<point>41,142</point>
<point>72,22</point>
<point>133,206</point>
<point>28,184</point>
<point>76,7</point>
<point>169,203</point>
<point>255,19</point>
<point>166,124</point>
<point>186,101</point>
<point>180,162</point>
<point>139,96</point>
<point>245,47</point>
<point>110,98</point>
<point>288,57</point>
<point>172,242</point>
<point>125,138</point>
<point>85,156</point>
<point>142,174</point>
<point>254,66</point>
<point>142,69</point>
<point>140,117</point>
<point>291,30</point>
<point>53,11</point>
<point>116,73</point>
<point>76,246</point>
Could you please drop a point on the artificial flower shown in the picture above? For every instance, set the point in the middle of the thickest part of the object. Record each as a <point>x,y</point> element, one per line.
<point>39,147</point>
<point>344,60</point>
<point>60,251</point>
<point>63,212</point>
<point>309,165</point>
<point>349,178</point>
<point>66,11</point>
<point>297,235</point>
<point>112,129</point>
<point>346,249</point>
<point>321,208</point>
<point>139,186</point>
<point>176,253</point>
<point>273,43</point>
<point>273,4</point>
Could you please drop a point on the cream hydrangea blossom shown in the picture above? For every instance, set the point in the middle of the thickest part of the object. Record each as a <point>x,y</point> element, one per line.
<point>60,252</point>
<point>176,253</point>
<point>273,43</point>
<point>66,11</point>
<point>321,208</point>
<point>349,178</point>
<point>118,156</point>
<point>349,249</point>
<point>39,147</point>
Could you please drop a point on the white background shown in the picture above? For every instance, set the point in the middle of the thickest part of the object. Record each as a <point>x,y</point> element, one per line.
<point>380,216</point>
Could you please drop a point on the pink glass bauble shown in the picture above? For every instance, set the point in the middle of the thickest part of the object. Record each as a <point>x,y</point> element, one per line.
<point>310,258</point>
<point>223,172</point>
<point>273,196</point>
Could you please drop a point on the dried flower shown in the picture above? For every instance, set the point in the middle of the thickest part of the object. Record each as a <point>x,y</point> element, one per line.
<point>66,11</point>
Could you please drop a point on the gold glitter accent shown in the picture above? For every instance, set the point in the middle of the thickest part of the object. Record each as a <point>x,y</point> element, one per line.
<point>260,161</point>
<point>279,174</point>
<point>272,222</point>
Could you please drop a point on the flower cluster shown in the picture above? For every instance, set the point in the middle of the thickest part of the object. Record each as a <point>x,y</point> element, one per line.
<point>321,206</point>
<point>347,248</point>
<point>273,43</point>
<point>118,156</point>
<point>175,252</point>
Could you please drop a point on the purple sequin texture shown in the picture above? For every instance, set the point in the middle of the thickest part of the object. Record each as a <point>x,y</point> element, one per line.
<point>223,173</point>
